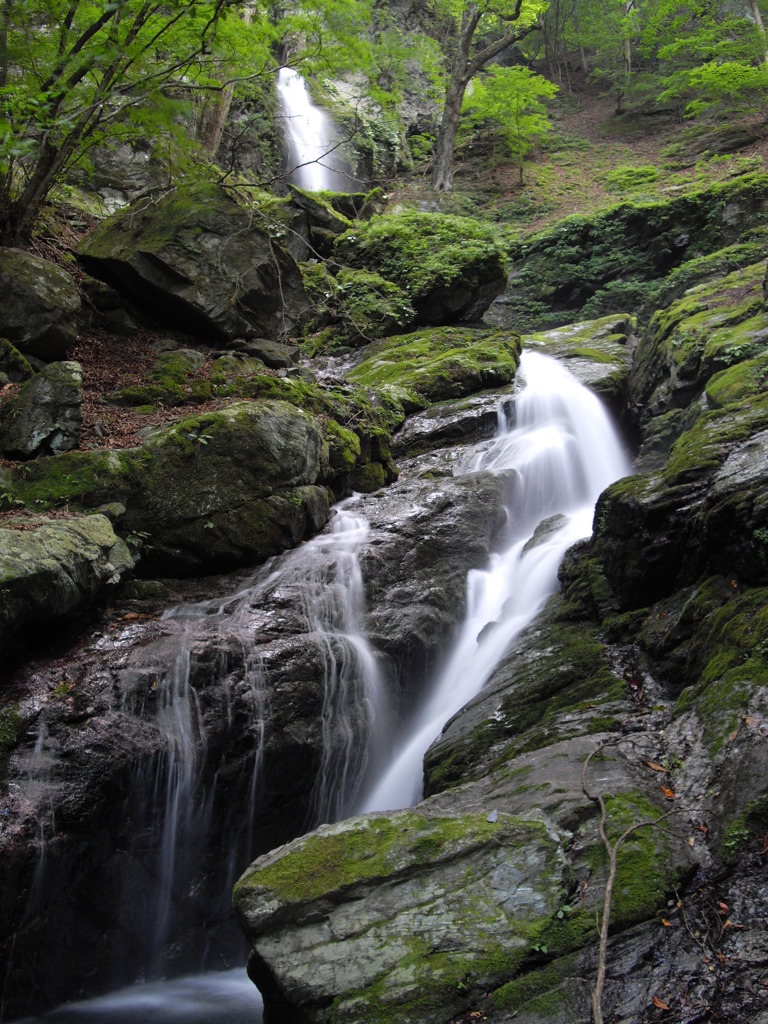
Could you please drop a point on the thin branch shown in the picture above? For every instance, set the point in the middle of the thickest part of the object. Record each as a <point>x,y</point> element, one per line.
<point>612,850</point>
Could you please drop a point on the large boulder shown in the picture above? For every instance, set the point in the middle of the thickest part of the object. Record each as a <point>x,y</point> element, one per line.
<point>198,260</point>
<point>464,897</point>
<point>51,567</point>
<point>217,490</point>
<point>450,268</point>
<point>437,364</point>
<point>45,416</point>
<point>40,305</point>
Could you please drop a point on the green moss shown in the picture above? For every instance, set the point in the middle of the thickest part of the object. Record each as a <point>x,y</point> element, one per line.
<point>739,383</point>
<point>584,266</point>
<point>439,363</point>
<point>729,661</point>
<point>536,989</point>
<point>422,251</point>
<point>10,728</point>
<point>743,830</point>
<point>323,863</point>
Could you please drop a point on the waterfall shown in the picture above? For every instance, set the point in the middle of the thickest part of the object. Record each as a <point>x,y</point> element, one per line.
<point>313,160</point>
<point>557,458</point>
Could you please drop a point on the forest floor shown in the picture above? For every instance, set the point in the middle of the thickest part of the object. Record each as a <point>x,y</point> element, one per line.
<point>593,158</point>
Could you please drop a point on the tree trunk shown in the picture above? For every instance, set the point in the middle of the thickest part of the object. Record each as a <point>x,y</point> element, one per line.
<point>758,19</point>
<point>214,118</point>
<point>442,171</point>
<point>213,121</point>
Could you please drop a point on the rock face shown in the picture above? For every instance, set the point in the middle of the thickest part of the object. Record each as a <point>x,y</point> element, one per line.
<point>464,895</point>
<point>642,684</point>
<point>44,418</point>
<point>55,567</point>
<point>197,260</point>
<point>40,305</point>
<point>592,266</point>
<point>216,490</point>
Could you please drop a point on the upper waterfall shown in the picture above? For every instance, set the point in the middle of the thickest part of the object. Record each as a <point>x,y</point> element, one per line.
<point>312,139</point>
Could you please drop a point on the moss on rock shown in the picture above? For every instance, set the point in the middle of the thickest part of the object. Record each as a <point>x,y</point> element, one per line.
<point>438,364</point>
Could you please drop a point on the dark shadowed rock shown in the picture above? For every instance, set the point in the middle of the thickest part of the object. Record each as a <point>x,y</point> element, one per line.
<point>44,418</point>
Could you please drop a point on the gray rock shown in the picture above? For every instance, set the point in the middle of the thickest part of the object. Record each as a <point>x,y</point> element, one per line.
<point>463,897</point>
<point>45,416</point>
<point>597,352</point>
<point>55,568</point>
<point>198,261</point>
<point>40,305</point>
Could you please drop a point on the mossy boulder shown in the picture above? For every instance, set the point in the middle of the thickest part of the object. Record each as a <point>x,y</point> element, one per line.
<point>45,416</point>
<point>438,364</point>
<point>198,260</point>
<point>40,305</point>
<point>450,268</point>
<point>597,353</point>
<point>217,490</point>
<point>713,326</point>
<point>466,898</point>
<point>49,568</point>
<point>591,266</point>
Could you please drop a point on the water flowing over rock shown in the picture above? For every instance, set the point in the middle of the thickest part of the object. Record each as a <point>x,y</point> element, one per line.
<point>262,707</point>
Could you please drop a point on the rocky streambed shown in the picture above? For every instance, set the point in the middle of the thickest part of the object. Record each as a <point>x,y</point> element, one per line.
<point>148,758</point>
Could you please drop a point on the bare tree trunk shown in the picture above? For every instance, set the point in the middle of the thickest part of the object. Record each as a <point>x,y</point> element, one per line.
<point>582,55</point>
<point>758,18</point>
<point>442,171</point>
<point>210,131</point>
<point>464,68</point>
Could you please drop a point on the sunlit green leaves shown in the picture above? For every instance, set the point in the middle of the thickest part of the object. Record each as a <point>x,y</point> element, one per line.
<point>513,99</point>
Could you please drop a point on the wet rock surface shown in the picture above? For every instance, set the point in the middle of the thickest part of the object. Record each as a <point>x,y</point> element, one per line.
<point>642,684</point>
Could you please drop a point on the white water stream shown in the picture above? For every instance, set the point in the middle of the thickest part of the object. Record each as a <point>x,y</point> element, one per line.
<point>559,455</point>
<point>562,452</point>
<point>314,161</point>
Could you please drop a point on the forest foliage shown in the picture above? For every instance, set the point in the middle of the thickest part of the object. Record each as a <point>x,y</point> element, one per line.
<point>75,74</point>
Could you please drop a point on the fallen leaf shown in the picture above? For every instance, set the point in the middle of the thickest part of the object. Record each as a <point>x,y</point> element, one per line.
<point>666,923</point>
<point>753,722</point>
<point>701,828</point>
<point>691,841</point>
<point>668,793</point>
<point>723,907</point>
<point>656,767</point>
<point>659,1004</point>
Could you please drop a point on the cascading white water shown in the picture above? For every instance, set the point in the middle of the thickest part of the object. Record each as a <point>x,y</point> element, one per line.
<point>352,682</point>
<point>557,458</point>
<point>562,452</point>
<point>314,161</point>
